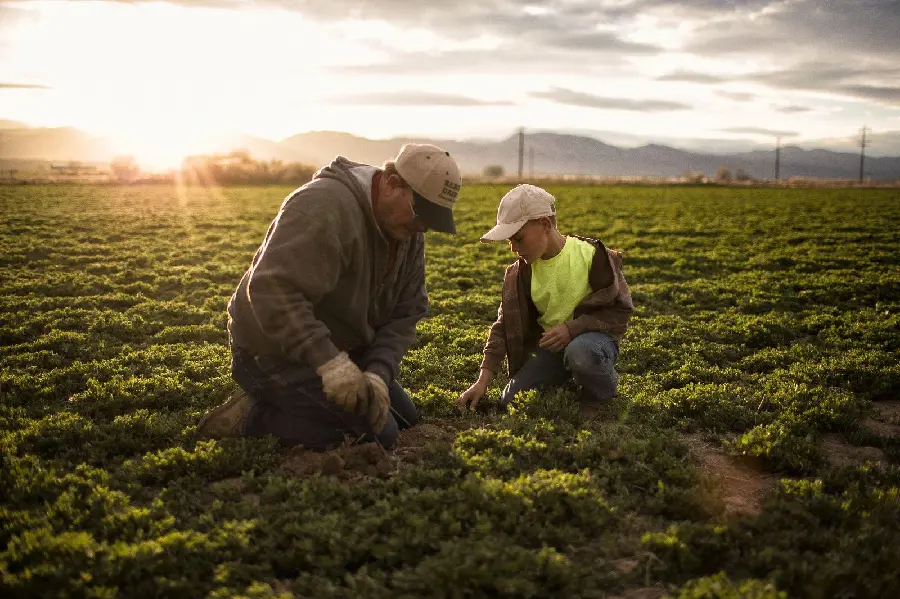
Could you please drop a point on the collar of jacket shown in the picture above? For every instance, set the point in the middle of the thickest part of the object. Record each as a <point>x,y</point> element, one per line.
<point>599,276</point>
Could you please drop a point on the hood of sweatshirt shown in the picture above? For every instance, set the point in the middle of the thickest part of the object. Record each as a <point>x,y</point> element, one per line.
<point>358,178</point>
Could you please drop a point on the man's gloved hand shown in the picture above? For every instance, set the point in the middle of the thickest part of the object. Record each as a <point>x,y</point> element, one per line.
<point>343,382</point>
<point>379,401</point>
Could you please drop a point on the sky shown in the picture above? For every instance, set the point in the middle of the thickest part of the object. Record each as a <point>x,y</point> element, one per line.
<point>165,78</point>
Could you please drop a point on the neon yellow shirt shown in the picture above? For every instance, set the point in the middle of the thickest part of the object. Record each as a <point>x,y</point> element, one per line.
<point>560,283</point>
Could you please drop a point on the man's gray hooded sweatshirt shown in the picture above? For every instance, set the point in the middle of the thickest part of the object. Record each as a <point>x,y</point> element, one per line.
<point>317,284</point>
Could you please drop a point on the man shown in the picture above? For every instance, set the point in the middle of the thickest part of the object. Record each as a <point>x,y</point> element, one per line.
<point>321,319</point>
<point>564,307</point>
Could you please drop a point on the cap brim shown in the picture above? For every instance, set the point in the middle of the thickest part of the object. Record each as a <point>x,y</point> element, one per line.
<point>502,232</point>
<point>435,217</point>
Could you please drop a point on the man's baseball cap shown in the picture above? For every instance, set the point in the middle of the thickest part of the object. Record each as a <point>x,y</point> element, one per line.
<point>434,178</point>
<point>520,205</point>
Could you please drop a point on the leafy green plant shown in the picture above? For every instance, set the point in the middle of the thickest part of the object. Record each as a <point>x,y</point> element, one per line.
<point>766,319</point>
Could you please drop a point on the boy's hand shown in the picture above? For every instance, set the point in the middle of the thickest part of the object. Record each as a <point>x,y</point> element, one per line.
<point>472,395</point>
<point>557,338</point>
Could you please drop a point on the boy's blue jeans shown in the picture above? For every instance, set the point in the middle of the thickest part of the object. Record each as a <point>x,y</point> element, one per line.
<point>289,403</point>
<point>590,358</point>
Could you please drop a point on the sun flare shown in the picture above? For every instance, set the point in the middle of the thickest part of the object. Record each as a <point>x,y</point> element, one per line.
<point>162,148</point>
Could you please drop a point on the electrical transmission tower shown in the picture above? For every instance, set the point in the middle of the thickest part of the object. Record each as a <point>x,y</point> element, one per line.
<point>862,152</point>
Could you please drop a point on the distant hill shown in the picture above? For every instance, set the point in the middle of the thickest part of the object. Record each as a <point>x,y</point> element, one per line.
<point>8,124</point>
<point>57,144</point>
<point>561,154</point>
<point>553,154</point>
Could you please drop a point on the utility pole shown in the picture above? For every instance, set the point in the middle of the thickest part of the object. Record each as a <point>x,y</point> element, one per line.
<point>531,162</point>
<point>777,158</point>
<point>862,153</point>
<point>521,150</point>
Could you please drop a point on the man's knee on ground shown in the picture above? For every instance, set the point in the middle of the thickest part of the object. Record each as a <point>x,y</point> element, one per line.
<point>388,435</point>
<point>412,419</point>
<point>402,406</point>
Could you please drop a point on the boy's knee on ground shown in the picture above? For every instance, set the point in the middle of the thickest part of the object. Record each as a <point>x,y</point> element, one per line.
<point>584,358</point>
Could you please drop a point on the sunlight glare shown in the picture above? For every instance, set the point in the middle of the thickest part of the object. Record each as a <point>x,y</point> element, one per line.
<point>161,148</point>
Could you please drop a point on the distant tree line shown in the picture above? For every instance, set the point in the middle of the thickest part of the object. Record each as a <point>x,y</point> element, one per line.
<point>238,168</point>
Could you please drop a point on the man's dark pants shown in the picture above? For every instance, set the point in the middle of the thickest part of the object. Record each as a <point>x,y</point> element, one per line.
<point>291,405</point>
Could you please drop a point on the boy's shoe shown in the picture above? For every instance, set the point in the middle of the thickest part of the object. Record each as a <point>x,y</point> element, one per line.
<point>226,420</point>
<point>591,406</point>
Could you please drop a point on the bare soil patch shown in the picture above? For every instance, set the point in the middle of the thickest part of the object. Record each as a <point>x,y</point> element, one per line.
<point>884,421</point>
<point>841,453</point>
<point>740,483</point>
<point>351,462</point>
<point>654,592</point>
<point>885,418</point>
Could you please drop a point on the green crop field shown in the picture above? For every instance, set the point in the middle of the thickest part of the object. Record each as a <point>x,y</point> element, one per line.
<point>753,450</point>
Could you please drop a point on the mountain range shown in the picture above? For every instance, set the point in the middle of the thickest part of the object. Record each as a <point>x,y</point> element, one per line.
<point>545,154</point>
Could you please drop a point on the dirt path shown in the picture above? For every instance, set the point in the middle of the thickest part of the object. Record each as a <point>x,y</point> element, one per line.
<point>884,421</point>
<point>740,483</point>
<point>841,453</point>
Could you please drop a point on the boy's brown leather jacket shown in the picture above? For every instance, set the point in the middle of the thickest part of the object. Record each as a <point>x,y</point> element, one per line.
<point>516,331</point>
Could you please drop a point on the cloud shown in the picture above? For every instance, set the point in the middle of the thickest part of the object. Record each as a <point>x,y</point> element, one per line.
<point>691,77</point>
<point>858,40</point>
<point>738,96</point>
<point>886,94</point>
<point>845,49</point>
<point>843,29</point>
<point>507,60</point>
<point>22,86</point>
<point>759,131</point>
<point>575,98</point>
<point>793,108</point>
<point>836,78</point>
<point>414,99</point>
<point>822,75</point>
<point>570,24</point>
<point>11,15</point>
<point>818,76</point>
<point>566,31</point>
<point>597,41</point>
<point>815,27</point>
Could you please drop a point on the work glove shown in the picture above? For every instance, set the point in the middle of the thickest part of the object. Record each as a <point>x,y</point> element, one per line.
<point>343,382</point>
<point>379,401</point>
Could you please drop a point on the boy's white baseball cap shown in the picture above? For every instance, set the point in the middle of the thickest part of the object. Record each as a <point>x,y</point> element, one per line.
<point>521,204</point>
<point>434,178</point>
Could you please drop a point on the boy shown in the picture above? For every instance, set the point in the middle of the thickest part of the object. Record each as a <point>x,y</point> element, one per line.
<point>563,310</point>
